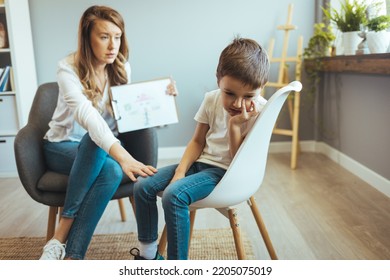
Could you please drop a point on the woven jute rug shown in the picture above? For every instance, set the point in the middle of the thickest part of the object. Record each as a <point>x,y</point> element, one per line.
<point>212,244</point>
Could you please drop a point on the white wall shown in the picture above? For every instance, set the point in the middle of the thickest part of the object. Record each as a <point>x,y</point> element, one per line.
<point>172,37</point>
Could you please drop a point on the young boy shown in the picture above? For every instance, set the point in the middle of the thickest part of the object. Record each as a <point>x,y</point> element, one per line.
<point>223,120</point>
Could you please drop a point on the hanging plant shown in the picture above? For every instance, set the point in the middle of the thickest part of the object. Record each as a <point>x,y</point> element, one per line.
<point>319,46</point>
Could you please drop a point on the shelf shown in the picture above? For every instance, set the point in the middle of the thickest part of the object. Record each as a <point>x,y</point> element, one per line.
<point>363,64</point>
<point>19,54</point>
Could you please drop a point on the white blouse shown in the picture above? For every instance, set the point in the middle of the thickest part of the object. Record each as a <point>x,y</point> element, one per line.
<point>75,115</point>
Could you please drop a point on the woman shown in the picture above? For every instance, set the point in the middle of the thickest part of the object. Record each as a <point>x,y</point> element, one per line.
<point>83,140</point>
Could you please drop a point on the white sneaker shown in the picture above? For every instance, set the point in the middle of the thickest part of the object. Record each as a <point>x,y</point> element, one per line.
<point>53,250</point>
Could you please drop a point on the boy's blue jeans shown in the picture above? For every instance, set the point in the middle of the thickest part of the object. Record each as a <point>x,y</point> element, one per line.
<point>199,182</point>
<point>93,179</point>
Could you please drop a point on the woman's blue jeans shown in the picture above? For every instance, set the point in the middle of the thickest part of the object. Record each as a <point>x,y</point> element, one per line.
<point>94,177</point>
<point>199,182</point>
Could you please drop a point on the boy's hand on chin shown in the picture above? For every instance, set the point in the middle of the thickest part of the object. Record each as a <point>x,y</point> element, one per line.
<point>245,115</point>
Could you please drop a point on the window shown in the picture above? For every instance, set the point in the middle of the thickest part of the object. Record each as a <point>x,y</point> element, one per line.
<point>382,8</point>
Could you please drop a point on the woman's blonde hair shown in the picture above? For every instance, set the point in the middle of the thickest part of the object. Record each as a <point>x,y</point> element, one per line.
<point>84,57</point>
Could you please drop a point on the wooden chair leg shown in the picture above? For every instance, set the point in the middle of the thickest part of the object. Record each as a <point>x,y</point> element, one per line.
<point>162,244</point>
<point>236,234</point>
<point>262,228</point>
<point>51,223</point>
<point>192,221</point>
<point>122,209</point>
<point>295,127</point>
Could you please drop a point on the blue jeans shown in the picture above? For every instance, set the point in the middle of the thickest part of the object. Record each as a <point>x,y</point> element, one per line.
<point>94,177</point>
<point>199,182</point>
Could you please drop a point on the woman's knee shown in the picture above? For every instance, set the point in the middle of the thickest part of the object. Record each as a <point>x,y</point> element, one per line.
<point>112,170</point>
<point>90,148</point>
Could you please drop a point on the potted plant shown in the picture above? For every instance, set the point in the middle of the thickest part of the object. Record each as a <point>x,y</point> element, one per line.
<point>348,20</point>
<point>378,37</point>
<point>320,43</point>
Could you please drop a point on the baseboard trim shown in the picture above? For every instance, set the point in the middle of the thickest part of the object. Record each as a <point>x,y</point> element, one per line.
<point>369,176</point>
<point>374,179</point>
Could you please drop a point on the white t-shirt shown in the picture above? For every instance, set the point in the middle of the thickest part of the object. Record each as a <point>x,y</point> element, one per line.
<point>211,112</point>
<point>75,114</point>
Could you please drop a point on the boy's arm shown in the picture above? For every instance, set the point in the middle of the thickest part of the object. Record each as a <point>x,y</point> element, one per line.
<point>234,126</point>
<point>235,137</point>
<point>193,151</point>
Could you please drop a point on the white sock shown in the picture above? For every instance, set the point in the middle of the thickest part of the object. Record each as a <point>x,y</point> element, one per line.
<point>148,250</point>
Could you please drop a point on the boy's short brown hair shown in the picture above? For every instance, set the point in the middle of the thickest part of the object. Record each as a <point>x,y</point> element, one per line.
<point>244,60</point>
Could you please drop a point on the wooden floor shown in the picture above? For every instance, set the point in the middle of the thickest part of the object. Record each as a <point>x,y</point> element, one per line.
<point>318,211</point>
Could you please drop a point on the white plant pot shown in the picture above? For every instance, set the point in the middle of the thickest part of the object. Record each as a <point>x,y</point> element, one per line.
<point>351,41</point>
<point>378,42</point>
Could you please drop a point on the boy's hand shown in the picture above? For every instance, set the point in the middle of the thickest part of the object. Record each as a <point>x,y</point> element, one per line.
<point>245,115</point>
<point>176,177</point>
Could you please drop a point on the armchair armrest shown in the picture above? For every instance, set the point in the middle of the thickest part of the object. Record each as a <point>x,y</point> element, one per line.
<point>28,147</point>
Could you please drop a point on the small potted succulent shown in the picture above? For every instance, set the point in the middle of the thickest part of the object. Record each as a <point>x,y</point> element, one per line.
<point>378,38</point>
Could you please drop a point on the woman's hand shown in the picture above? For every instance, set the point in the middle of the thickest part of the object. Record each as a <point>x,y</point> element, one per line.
<point>133,167</point>
<point>171,88</point>
<point>130,166</point>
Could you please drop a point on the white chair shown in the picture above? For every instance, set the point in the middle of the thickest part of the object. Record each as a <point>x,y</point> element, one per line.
<point>245,174</point>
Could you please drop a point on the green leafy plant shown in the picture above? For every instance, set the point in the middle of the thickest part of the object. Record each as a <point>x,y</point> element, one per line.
<point>379,23</point>
<point>320,43</point>
<point>350,16</point>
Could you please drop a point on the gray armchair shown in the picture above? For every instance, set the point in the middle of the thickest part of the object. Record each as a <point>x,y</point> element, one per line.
<point>48,187</point>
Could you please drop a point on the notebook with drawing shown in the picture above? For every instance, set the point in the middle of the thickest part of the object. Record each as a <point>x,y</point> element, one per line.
<point>143,105</point>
